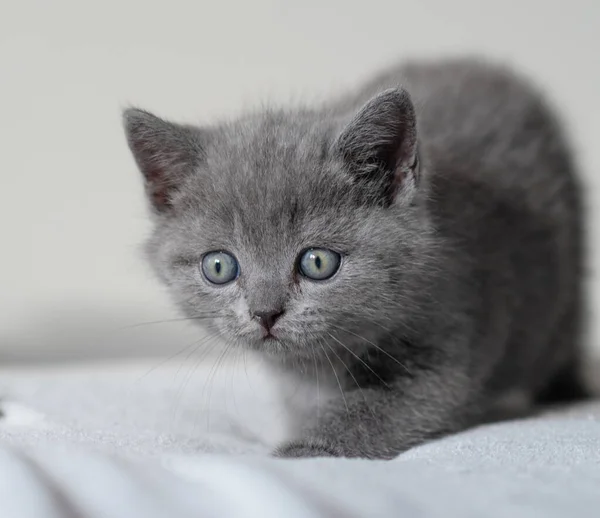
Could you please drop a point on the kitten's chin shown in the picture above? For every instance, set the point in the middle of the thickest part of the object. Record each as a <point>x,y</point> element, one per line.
<point>282,344</point>
<point>271,346</point>
<point>275,346</point>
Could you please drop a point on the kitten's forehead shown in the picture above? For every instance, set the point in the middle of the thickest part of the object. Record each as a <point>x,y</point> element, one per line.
<point>274,167</point>
<point>271,183</point>
<point>272,147</point>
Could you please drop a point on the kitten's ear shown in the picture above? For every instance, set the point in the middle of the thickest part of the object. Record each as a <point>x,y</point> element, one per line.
<point>380,144</point>
<point>165,153</point>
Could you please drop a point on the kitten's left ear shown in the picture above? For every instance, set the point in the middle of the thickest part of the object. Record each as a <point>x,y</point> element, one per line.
<point>380,144</point>
<point>165,153</point>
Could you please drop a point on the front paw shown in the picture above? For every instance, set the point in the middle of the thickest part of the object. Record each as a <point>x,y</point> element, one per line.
<point>308,448</point>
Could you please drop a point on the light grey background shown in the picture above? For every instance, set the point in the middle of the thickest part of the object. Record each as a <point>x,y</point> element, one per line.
<point>71,211</point>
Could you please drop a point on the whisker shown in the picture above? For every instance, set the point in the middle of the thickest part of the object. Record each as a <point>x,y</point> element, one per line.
<point>200,343</point>
<point>355,380</point>
<point>245,357</point>
<point>210,382</point>
<point>376,347</point>
<point>389,331</point>
<point>336,377</point>
<point>169,358</point>
<point>344,364</point>
<point>167,321</point>
<point>314,355</point>
<point>359,359</point>
<point>214,341</point>
<point>234,368</point>
<point>209,346</point>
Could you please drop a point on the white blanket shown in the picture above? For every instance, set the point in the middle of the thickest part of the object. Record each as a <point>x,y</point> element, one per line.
<point>151,441</point>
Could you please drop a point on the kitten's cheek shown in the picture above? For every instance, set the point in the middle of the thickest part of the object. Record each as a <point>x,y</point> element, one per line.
<point>225,328</point>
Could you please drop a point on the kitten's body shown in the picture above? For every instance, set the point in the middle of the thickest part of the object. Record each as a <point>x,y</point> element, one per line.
<point>461,277</point>
<point>506,201</point>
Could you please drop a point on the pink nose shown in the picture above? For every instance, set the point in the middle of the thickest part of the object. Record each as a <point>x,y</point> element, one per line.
<point>267,319</point>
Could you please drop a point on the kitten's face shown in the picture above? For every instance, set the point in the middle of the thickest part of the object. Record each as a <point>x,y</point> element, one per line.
<point>273,245</point>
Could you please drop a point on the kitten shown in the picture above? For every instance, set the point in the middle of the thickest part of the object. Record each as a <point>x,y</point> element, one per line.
<point>421,245</point>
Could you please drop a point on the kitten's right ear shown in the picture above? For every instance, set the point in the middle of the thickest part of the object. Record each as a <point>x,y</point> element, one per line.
<point>164,152</point>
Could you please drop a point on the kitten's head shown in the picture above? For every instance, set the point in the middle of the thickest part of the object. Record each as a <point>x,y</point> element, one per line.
<point>291,233</point>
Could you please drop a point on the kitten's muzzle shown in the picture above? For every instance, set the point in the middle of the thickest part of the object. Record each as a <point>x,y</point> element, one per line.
<point>267,319</point>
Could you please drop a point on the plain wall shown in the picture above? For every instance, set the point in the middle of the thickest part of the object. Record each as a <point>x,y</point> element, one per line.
<point>72,213</point>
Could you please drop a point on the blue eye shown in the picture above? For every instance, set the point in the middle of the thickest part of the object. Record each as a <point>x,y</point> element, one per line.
<point>220,267</point>
<point>319,264</point>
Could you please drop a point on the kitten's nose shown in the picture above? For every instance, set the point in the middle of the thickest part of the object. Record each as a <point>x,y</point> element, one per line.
<point>267,319</point>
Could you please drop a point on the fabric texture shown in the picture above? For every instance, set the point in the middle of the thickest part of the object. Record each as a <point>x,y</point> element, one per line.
<point>147,440</point>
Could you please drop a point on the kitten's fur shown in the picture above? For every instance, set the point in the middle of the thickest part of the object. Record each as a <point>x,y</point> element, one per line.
<point>462,249</point>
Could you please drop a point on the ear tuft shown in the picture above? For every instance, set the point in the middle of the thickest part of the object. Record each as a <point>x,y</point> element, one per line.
<point>380,143</point>
<point>164,152</point>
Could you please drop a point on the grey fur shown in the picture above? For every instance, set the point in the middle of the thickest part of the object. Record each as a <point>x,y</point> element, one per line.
<point>462,257</point>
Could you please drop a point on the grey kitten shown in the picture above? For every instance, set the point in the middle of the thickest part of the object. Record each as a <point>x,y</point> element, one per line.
<point>420,245</point>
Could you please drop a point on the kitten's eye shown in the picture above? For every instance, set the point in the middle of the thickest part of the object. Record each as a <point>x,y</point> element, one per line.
<point>319,264</point>
<point>220,267</point>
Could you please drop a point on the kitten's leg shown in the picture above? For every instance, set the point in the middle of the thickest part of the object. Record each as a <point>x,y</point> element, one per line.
<point>381,423</point>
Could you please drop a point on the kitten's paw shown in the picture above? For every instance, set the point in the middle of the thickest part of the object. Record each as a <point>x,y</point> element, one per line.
<point>308,448</point>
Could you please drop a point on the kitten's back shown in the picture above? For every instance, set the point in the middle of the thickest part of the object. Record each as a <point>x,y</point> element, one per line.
<point>504,186</point>
<point>480,115</point>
